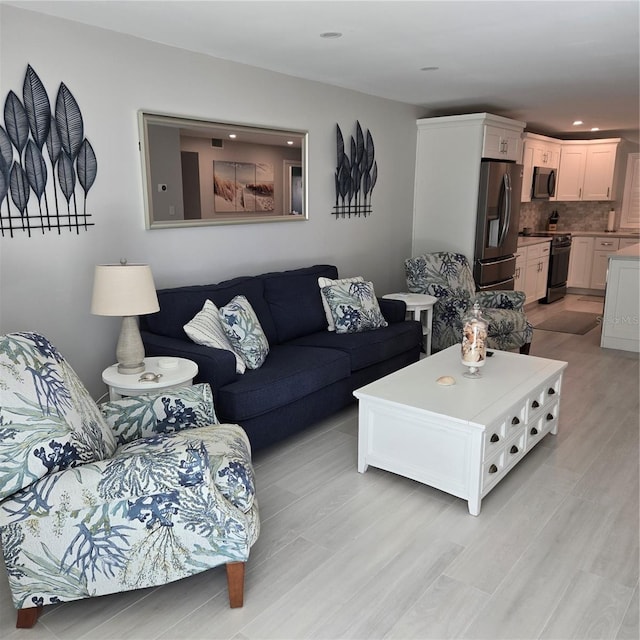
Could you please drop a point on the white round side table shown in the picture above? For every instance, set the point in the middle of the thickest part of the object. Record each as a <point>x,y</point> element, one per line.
<point>416,304</point>
<point>171,372</point>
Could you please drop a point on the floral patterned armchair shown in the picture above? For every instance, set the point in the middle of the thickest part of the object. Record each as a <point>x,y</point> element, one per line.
<point>140,492</point>
<point>448,277</point>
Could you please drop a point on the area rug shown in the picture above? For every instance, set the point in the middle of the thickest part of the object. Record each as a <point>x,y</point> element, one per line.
<point>577,322</point>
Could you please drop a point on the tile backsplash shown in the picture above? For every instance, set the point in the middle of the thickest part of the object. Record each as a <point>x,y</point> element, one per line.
<point>574,216</point>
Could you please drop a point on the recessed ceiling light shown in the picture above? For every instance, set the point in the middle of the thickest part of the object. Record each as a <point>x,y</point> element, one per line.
<point>232,135</point>
<point>289,141</point>
<point>429,68</point>
<point>595,128</point>
<point>331,34</point>
<point>577,122</point>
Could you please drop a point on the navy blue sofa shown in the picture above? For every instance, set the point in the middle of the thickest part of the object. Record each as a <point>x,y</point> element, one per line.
<point>309,373</point>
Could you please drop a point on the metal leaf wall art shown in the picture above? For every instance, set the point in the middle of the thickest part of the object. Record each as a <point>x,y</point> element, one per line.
<point>25,174</point>
<point>356,174</point>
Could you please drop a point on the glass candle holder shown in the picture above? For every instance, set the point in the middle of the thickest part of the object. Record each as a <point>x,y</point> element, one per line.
<point>474,342</point>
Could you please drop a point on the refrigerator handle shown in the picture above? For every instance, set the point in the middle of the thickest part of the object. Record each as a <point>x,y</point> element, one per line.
<point>506,217</point>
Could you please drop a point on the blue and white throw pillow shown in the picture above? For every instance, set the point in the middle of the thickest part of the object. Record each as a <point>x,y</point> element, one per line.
<point>205,328</point>
<point>325,282</point>
<point>242,327</point>
<point>354,307</point>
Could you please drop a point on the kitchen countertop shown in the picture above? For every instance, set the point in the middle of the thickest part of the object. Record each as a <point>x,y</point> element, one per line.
<point>525,241</point>
<point>606,234</point>
<point>628,253</point>
<point>592,234</point>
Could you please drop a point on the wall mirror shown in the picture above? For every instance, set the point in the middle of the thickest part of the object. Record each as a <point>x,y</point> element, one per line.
<point>198,172</point>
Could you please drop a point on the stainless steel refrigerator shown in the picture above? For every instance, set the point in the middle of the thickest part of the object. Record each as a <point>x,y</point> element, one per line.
<point>497,223</point>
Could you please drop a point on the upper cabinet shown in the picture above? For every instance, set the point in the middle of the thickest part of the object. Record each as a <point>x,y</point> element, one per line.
<point>537,151</point>
<point>630,217</point>
<point>587,170</point>
<point>502,139</point>
<point>449,151</point>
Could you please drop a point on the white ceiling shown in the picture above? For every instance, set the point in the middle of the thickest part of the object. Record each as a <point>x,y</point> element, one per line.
<point>545,62</point>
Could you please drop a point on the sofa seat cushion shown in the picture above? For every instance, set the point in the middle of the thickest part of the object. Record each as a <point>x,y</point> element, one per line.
<point>288,374</point>
<point>369,347</point>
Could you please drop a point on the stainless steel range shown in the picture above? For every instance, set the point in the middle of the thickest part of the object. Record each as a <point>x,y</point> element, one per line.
<point>558,266</point>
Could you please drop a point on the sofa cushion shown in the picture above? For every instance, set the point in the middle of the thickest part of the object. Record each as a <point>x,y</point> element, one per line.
<point>369,347</point>
<point>295,301</point>
<point>206,328</point>
<point>240,323</point>
<point>291,373</point>
<point>354,307</point>
<point>179,305</point>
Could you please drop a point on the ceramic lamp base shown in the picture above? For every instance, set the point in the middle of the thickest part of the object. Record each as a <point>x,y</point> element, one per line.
<point>130,350</point>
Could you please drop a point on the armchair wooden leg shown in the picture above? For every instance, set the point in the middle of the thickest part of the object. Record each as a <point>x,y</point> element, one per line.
<point>525,348</point>
<point>28,617</point>
<point>235,583</point>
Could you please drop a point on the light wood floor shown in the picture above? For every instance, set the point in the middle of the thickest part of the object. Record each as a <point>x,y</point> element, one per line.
<point>553,554</point>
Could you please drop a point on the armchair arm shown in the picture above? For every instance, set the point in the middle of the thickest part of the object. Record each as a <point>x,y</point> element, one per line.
<point>166,411</point>
<point>501,299</point>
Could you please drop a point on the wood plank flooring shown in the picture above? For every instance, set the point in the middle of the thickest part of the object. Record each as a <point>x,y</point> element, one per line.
<point>553,554</point>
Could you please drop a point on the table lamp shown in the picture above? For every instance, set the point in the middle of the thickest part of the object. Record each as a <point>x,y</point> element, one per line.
<point>125,290</point>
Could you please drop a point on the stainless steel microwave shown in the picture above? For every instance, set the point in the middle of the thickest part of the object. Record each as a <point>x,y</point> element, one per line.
<point>544,183</point>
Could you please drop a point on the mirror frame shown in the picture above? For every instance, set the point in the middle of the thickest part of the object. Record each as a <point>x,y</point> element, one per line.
<point>213,129</point>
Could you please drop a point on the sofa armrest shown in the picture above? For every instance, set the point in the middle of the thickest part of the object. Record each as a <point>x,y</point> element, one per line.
<point>501,299</point>
<point>392,310</point>
<point>217,367</point>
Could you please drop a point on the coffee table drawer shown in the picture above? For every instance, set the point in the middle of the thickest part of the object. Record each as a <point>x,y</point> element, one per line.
<point>492,471</point>
<point>542,396</point>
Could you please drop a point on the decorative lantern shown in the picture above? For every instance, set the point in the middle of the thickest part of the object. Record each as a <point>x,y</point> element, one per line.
<point>474,342</point>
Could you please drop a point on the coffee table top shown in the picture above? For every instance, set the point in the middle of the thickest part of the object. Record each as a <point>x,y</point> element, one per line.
<point>505,378</point>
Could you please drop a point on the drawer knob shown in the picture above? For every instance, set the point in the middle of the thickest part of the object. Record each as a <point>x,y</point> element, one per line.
<point>515,421</point>
<point>551,391</point>
<point>534,431</point>
<point>535,404</point>
<point>493,468</point>
<point>549,416</point>
<point>513,449</point>
<point>495,437</point>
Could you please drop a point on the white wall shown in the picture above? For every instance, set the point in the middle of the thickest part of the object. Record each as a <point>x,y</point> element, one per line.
<point>46,280</point>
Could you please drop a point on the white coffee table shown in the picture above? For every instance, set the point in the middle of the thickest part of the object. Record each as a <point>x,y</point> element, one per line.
<point>464,438</point>
<point>416,304</point>
<point>173,372</point>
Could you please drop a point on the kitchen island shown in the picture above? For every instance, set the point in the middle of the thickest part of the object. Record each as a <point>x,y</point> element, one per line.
<point>621,320</point>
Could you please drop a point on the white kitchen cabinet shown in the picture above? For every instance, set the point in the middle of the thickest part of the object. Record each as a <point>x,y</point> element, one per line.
<point>603,248</point>
<point>537,270</point>
<point>521,268</point>
<point>580,261</point>
<point>630,215</point>
<point>537,151</point>
<point>628,242</point>
<point>587,170</point>
<point>502,143</point>
<point>449,151</point>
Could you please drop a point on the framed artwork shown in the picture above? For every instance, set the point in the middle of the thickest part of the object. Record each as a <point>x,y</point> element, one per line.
<point>242,186</point>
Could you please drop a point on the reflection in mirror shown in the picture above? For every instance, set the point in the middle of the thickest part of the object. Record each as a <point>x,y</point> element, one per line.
<point>206,173</point>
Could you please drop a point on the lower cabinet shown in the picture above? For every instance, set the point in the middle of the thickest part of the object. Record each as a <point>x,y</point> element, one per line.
<point>603,248</point>
<point>580,262</point>
<point>532,269</point>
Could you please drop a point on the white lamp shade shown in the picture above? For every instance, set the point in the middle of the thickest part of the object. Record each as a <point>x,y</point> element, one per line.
<point>123,290</point>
